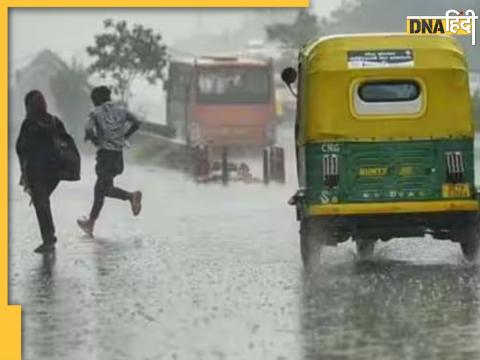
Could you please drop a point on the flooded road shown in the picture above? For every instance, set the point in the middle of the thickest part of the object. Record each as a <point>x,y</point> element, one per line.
<point>213,272</point>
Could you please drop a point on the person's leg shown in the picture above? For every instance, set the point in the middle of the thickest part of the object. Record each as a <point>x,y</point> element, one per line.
<point>115,169</point>
<point>118,193</point>
<point>109,164</point>
<point>101,190</point>
<point>136,202</point>
<point>41,203</point>
<point>51,185</point>
<point>134,197</point>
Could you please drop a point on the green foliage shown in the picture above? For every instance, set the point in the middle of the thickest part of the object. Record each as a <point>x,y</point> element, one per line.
<point>123,54</point>
<point>71,91</point>
<point>305,27</point>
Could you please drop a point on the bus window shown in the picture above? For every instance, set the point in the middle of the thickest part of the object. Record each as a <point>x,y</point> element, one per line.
<point>233,85</point>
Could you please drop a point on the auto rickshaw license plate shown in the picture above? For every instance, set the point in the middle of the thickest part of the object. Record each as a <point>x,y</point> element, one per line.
<point>456,190</point>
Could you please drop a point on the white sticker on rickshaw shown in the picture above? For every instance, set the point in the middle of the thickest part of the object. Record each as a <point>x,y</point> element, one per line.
<point>380,59</point>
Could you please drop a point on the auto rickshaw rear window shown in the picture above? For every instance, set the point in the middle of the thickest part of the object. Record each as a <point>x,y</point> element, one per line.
<point>389,91</point>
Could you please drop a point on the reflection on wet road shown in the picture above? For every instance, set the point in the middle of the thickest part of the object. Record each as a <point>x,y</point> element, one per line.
<point>392,309</point>
<point>209,272</point>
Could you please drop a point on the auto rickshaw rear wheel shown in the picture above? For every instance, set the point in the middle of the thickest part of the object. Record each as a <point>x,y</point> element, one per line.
<point>312,240</point>
<point>280,164</point>
<point>469,239</point>
<point>365,248</point>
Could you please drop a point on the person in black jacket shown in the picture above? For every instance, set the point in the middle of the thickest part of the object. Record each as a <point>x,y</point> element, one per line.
<point>39,162</point>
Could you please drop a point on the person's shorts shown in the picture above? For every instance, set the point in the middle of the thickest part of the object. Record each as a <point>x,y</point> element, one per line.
<point>109,163</point>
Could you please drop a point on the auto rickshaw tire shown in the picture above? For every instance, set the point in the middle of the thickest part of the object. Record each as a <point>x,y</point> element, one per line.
<point>469,239</point>
<point>266,166</point>
<point>280,164</point>
<point>365,248</point>
<point>310,243</point>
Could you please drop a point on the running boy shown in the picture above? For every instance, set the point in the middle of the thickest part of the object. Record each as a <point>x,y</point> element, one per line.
<point>109,125</point>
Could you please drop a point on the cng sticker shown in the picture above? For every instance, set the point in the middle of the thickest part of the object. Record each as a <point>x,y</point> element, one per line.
<point>330,148</point>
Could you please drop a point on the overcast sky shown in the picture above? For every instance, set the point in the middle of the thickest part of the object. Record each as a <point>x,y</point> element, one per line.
<point>69,31</point>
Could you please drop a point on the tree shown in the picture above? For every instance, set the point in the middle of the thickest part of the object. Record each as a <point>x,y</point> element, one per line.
<point>305,27</point>
<point>123,54</point>
<point>71,91</point>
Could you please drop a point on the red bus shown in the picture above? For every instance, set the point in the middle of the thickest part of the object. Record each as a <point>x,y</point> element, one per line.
<point>224,105</point>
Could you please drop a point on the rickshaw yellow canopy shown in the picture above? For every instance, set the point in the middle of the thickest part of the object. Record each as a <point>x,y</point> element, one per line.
<point>327,82</point>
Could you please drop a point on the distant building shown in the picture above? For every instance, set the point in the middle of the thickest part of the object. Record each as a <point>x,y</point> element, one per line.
<point>69,99</point>
<point>38,73</point>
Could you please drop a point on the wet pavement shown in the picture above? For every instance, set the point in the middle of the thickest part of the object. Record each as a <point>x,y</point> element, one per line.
<point>213,272</point>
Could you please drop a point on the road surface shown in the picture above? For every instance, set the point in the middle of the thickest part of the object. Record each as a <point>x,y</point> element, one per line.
<point>212,272</point>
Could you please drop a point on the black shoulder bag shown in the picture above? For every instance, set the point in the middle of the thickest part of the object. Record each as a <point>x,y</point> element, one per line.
<point>66,153</point>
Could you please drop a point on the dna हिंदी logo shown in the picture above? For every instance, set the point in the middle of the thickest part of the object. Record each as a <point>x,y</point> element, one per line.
<point>453,23</point>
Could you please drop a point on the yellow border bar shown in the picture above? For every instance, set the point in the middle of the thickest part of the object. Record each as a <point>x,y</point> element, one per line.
<point>163,3</point>
<point>394,207</point>
<point>4,158</point>
<point>10,316</point>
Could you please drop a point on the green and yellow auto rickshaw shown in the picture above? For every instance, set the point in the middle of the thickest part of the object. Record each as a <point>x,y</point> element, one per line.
<point>384,140</point>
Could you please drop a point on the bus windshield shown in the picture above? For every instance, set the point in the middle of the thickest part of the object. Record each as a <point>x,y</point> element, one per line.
<point>228,85</point>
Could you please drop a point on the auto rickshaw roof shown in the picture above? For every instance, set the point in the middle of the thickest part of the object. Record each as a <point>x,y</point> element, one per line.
<point>332,66</point>
<point>329,53</point>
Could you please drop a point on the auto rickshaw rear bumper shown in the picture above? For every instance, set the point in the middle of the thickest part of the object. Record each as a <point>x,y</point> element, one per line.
<point>393,207</point>
<point>441,219</point>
